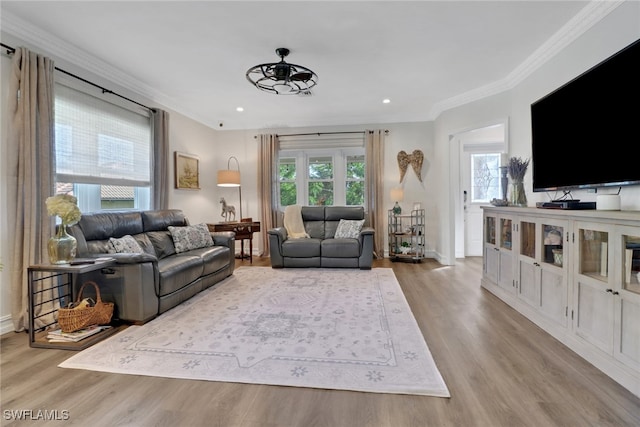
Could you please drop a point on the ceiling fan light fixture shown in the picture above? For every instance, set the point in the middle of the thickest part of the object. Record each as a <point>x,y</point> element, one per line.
<point>281,77</point>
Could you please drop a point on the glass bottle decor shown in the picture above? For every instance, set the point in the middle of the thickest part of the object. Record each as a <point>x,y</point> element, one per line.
<point>397,210</point>
<point>62,247</point>
<point>518,195</point>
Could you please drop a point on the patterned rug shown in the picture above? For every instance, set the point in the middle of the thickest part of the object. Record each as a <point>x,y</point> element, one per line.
<point>322,328</point>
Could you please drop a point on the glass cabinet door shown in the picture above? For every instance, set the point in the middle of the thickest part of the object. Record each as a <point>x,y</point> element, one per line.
<point>528,239</point>
<point>490,230</point>
<point>594,254</point>
<point>552,243</point>
<point>631,263</point>
<point>505,233</point>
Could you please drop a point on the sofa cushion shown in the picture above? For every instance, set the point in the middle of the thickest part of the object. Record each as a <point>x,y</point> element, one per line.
<point>162,243</point>
<point>214,258</point>
<point>125,244</point>
<point>191,237</point>
<point>161,220</point>
<point>301,248</point>
<point>102,226</point>
<point>340,248</point>
<point>178,271</point>
<point>349,228</point>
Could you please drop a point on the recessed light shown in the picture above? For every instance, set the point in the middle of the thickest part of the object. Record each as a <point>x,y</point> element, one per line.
<point>240,109</point>
<point>386,101</point>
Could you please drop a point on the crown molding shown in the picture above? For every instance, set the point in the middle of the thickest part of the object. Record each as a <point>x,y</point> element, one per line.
<point>591,14</point>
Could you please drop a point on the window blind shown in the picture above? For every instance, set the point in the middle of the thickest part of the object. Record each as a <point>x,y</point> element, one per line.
<point>98,142</point>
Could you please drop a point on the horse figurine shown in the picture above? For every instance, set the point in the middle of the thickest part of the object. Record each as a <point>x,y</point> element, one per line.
<point>227,210</point>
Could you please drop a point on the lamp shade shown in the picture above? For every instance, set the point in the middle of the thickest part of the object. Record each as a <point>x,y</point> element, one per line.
<point>397,194</point>
<point>228,178</point>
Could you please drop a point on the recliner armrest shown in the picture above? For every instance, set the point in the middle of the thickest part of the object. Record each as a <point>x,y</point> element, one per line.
<point>129,258</point>
<point>367,230</point>
<point>224,238</point>
<point>281,232</point>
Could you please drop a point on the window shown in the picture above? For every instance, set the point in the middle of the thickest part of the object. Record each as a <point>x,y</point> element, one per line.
<point>485,177</point>
<point>320,180</point>
<point>355,180</point>
<point>102,152</point>
<point>288,186</point>
<point>333,178</point>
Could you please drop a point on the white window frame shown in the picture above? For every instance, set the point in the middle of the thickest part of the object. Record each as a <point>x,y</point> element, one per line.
<point>339,158</point>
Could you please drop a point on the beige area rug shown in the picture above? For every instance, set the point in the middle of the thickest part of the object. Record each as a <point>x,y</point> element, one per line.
<point>322,328</point>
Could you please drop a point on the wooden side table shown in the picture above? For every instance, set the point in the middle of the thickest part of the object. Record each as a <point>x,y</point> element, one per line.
<point>51,282</point>
<point>244,231</point>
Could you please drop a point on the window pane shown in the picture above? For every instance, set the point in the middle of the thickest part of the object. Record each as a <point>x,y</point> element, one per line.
<point>321,193</point>
<point>355,167</point>
<point>116,197</point>
<point>485,174</point>
<point>287,169</point>
<point>288,194</point>
<point>320,168</point>
<point>355,193</point>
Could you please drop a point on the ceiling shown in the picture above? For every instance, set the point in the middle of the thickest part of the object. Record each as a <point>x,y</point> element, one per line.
<point>191,57</point>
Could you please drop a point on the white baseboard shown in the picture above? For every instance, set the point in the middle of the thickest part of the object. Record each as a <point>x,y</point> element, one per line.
<point>6,325</point>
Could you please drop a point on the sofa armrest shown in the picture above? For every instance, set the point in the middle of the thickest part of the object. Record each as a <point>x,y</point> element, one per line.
<point>228,239</point>
<point>367,230</point>
<point>279,232</point>
<point>365,261</point>
<point>129,258</point>
<point>224,238</point>
<point>277,236</point>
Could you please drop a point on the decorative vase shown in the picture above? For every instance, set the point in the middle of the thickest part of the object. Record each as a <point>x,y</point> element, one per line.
<point>62,246</point>
<point>397,210</point>
<point>518,195</point>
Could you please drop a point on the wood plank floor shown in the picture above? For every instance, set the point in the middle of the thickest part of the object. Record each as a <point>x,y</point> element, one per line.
<point>500,368</point>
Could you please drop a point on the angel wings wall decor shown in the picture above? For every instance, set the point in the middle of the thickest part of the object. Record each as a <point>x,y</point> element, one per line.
<point>414,159</point>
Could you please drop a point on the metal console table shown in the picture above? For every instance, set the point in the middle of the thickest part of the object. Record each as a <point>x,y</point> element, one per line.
<point>52,286</point>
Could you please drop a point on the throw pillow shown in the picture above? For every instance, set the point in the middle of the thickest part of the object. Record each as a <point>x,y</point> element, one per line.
<point>349,229</point>
<point>125,244</point>
<point>191,237</point>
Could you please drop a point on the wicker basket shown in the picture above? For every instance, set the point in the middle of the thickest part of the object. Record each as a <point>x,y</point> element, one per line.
<point>74,319</point>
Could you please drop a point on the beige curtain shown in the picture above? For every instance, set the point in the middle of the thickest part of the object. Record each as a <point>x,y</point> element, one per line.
<point>160,158</point>
<point>267,185</point>
<point>31,164</point>
<point>374,152</point>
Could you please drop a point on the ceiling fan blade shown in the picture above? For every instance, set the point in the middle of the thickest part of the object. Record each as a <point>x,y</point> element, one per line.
<point>302,76</point>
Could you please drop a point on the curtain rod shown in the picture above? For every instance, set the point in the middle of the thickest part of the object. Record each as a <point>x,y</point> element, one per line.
<point>11,50</point>
<point>386,131</point>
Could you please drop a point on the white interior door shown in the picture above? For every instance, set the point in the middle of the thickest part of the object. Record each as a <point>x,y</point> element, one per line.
<point>472,211</point>
<point>476,185</point>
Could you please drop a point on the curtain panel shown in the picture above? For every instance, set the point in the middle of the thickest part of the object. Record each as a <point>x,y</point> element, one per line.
<point>31,164</point>
<point>374,152</point>
<point>160,184</point>
<point>267,185</point>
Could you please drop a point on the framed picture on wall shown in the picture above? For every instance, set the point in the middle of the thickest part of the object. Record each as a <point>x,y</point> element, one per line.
<point>187,171</point>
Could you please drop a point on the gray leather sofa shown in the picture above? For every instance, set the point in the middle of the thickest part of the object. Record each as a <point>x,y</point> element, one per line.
<point>321,249</point>
<point>143,285</point>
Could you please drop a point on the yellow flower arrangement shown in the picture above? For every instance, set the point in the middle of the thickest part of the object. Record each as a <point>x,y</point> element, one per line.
<point>65,206</point>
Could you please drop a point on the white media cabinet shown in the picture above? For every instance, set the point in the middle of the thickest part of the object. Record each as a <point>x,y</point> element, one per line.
<point>575,274</point>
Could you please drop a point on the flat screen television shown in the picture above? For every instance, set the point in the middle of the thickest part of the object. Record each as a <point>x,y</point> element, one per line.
<point>586,134</point>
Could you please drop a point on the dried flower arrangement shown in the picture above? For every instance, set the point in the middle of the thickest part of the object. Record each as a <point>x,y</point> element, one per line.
<point>65,206</point>
<point>517,168</point>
